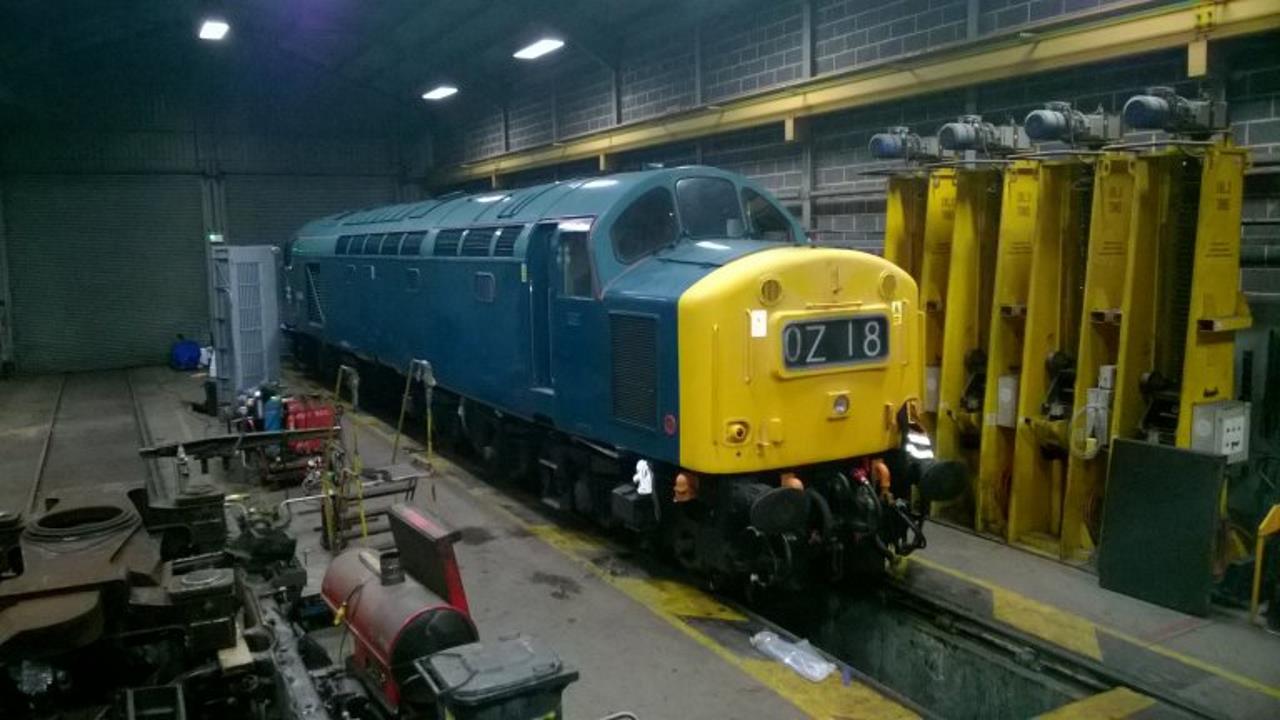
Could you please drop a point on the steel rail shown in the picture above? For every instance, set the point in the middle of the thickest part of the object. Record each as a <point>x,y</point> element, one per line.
<point>44,449</point>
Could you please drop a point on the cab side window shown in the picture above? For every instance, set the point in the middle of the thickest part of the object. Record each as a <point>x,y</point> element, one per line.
<point>767,222</point>
<point>575,264</point>
<point>647,225</point>
<point>709,207</point>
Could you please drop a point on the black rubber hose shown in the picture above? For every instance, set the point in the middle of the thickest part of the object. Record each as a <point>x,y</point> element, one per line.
<point>824,510</point>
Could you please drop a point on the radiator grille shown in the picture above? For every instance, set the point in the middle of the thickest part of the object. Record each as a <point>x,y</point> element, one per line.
<point>635,368</point>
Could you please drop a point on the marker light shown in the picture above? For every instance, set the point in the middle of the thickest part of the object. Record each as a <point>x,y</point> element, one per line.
<point>214,30</point>
<point>440,92</point>
<point>840,406</point>
<point>538,49</point>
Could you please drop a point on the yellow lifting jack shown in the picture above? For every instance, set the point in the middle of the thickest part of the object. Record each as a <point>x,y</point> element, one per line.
<point>1030,365</point>
<point>1159,365</point>
<point>966,312</point>
<point>1035,320</point>
<point>935,266</point>
<point>905,220</point>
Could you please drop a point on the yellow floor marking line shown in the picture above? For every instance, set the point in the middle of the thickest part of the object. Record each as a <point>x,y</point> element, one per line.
<point>1113,704</point>
<point>671,601</point>
<point>1030,616</point>
<point>1046,622</point>
<point>566,540</point>
<point>1035,626</point>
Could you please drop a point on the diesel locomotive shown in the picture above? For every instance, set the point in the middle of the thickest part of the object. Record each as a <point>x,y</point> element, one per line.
<point>661,350</point>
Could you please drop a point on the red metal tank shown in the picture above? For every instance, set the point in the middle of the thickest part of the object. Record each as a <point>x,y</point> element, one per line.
<point>304,413</point>
<point>394,623</point>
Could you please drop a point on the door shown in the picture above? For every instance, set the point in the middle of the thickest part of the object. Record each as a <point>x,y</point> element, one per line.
<point>576,333</point>
<point>540,264</point>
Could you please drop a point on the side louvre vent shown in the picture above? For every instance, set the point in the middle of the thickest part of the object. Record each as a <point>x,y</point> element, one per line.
<point>506,244</point>
<point>634,343</point>
<point>315,305</point>
<point>447,242</point>
<point>477,241</point>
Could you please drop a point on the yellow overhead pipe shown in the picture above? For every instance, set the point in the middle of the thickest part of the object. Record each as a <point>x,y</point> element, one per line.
<point>995,59</point>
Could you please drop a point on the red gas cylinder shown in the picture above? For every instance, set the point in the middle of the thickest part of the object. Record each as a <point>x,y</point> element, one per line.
<point>304,413</point>
<point>397,617</point>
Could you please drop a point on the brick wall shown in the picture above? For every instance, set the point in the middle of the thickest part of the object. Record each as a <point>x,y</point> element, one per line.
<point>759,154</point>
<point>997,16</point>
<point>529,116</point>
<point>482,136</point>
<point>752,47</point>
<point>584,96</point>
<point>850,34</point>
<point>749,51</point>
<point>658,73</point>
<point>1254,93</point>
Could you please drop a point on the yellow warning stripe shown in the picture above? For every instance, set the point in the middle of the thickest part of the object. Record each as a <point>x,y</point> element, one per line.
<point>1077,633</point>
<point>1113,704</point>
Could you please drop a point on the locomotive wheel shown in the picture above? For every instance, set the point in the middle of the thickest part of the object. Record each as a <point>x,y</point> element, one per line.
<point>490,439</point>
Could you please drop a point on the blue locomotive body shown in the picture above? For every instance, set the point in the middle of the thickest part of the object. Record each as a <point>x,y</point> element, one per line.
<point>483,287</point>
<point>671,323</point>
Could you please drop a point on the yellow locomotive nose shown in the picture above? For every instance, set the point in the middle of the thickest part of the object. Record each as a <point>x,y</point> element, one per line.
<point>795,356</point>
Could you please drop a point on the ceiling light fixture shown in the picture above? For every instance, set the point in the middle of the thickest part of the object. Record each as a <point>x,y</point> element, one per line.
<point>440,92</point>
<point>538,49</point>
<point>214,30</point>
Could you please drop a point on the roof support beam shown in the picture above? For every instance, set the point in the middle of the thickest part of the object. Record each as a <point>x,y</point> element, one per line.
<point>998,59</point>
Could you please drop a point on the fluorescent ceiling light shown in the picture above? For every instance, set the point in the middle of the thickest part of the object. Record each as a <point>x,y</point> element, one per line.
<point>440,92</point>
<point>214,29</point>
<point>539,48</point>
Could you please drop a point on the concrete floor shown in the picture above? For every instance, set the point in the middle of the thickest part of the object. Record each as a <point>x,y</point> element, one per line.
<point>629,635</point>
<point>1224,639</point>
<point>629,658</point>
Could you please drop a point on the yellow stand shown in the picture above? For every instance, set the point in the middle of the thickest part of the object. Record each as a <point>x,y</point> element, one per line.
<point>934,268</point>
<point>1106,333</point>
<point>970,280</point>
<point>1051,326</point>
<point>1017,238</point>
<point>418,370</point>
<point>904,221</point>
<point>333,481</point>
